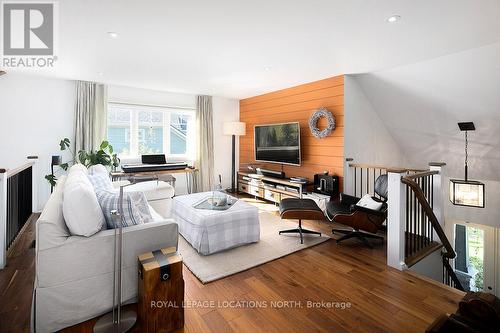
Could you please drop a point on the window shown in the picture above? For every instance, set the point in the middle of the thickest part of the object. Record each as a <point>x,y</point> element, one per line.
<point>469,263</point>
<point>134,130</point>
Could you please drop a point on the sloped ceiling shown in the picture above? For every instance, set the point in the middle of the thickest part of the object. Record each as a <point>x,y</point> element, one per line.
<point>422,103</point>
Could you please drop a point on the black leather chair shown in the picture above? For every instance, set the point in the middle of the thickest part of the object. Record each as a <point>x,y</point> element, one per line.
<point>363,222</point>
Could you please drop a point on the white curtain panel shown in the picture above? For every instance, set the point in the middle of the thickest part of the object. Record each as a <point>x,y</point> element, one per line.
<point>205,144</point>
<point>91,115</point>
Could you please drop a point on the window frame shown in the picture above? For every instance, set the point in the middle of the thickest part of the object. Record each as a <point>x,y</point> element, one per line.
<point>167,111</point>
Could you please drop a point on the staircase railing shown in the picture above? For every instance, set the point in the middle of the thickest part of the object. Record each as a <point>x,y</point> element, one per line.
<point>360,177</point>
<point>17,202</point>
<point>415,217</point>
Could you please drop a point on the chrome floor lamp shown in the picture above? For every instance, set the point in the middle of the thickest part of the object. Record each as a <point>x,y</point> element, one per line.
<point>117,321</point>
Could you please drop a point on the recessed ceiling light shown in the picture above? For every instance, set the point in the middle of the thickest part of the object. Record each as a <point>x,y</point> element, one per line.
<point>113,34</point>
<point>267,69</point>
<point>100,73</point>
<point>394,19</point>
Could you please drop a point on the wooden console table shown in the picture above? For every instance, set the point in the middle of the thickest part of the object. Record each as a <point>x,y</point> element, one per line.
<point>189,172</point>
<point>266,187</point>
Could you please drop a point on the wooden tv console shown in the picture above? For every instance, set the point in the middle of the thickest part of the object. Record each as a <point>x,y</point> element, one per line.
<point>266,187</point>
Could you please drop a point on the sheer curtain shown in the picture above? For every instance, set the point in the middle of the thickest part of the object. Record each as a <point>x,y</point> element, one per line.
<point>91,115</point>
<point>205,144</point>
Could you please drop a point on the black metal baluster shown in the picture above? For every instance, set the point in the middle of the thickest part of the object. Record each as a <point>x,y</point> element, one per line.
<point>355,176</point>
<point>426,220</point>
<point>361,182</point>
<point>414,218</point>
<point>367,180</point>
<point>407,220</point>
<point>374,194</point>
<point>432,204</point>
<point>19,203</point>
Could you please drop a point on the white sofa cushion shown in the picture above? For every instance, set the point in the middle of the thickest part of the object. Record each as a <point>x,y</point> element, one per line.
<point>51,222</point>
<point>154,190</point>
<point>81,211</point>
<point>367,202</point>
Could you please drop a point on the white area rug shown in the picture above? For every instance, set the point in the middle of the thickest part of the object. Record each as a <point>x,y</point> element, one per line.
<point>271,246</point>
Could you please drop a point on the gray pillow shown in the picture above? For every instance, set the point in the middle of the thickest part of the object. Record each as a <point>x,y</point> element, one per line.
<point>135,207</point>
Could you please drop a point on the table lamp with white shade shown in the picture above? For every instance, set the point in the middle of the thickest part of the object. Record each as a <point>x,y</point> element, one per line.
<point>234,128</point>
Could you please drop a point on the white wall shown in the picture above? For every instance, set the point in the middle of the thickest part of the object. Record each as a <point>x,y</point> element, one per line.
<point>489,215</point>
<point>431,266</point>
<point>35,114</point>
<point>366,140</point>
<point>224,110</point>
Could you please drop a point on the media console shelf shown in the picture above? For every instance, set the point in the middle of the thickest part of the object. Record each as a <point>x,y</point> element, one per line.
<point>269,188</point>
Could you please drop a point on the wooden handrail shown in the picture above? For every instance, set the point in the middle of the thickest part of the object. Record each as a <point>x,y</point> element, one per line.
<point>422,174</point>
<point>454,277</point>
<point>13,172</point>
<point>408,180</point>
<point>373,166</point>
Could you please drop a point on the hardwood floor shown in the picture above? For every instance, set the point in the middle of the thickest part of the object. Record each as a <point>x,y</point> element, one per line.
<point>381,299</point>
<point>16,282</point>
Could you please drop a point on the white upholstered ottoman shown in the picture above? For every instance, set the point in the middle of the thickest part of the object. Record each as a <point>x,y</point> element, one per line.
<point>210,231</point>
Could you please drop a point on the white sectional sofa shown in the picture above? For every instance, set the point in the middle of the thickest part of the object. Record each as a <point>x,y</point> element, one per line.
<point>74,274</point>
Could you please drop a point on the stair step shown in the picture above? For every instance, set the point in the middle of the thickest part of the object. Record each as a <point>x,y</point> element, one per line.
<point>424,252</point>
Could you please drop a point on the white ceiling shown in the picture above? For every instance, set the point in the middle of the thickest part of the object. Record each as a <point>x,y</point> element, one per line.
<point>421,104</point>
<point>223,47</point>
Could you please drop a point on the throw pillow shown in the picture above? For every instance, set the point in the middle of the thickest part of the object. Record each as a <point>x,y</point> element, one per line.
<point>135,208</point>
<point>100,181</point>
<point>98,168</point>
<point>81,211</point>
<point>78,167</point>
<point>368,202</point>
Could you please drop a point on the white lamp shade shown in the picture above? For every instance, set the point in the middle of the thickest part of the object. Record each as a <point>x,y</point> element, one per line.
<point>234,128</point>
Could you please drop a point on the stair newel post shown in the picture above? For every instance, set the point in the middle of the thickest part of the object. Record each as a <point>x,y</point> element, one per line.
<point>437,191</point>
<point>396,223</point>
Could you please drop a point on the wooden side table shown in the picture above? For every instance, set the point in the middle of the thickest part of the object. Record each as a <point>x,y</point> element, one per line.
<point>161,291</point>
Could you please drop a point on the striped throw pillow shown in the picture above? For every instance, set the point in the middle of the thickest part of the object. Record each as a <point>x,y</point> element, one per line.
<point>135,208</point>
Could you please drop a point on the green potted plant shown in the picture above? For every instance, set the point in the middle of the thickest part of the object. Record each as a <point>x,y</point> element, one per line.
<point>104,155</point>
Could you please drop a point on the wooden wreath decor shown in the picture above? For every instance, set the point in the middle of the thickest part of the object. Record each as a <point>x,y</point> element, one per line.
<point>313,123</point>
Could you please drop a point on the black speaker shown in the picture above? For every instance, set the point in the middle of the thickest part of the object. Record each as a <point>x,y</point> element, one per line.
<point>270,173</point>
<point>326,184</point>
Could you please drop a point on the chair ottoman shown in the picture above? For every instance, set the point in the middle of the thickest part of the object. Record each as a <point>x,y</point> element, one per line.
<point>300,209</point>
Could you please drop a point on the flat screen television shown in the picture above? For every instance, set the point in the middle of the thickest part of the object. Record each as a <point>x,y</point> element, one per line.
<point>278,143</point>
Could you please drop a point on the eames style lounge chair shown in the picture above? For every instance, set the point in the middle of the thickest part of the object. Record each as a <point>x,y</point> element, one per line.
<point>364,220</point>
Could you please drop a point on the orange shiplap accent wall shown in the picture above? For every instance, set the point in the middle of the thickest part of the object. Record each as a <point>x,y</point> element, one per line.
<point>298,104</point>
